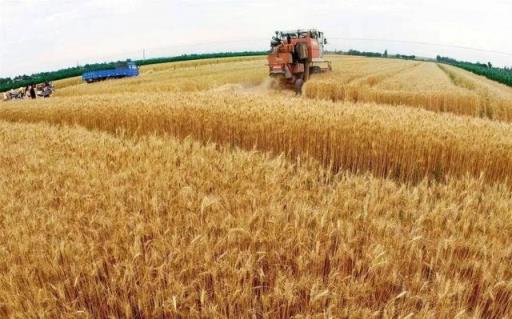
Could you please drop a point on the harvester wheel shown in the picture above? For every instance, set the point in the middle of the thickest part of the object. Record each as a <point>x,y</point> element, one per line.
<point>316,69</point>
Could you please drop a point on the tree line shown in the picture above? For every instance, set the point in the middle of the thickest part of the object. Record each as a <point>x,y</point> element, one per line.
<point>502,75</point>
<point>377,54</point>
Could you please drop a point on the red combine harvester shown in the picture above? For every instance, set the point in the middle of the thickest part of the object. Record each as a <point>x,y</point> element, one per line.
<point>296,54</point>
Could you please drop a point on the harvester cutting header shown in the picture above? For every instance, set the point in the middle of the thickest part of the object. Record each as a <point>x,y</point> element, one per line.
<point>296,54</point>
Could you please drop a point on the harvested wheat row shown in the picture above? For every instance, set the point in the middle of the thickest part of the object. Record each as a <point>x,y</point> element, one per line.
<point>173,66</point>
<point>407,144</point>
<point>94,226</point>
<point>424,77</point>
<point>496,98</point>
<point>348,69</point>
<point>179,77</point>
<point>424,85</point>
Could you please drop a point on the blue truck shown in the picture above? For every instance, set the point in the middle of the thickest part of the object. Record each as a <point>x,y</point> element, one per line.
<point>122,70</point>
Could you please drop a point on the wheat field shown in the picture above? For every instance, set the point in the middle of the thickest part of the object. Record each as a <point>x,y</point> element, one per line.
<point>426,85</point>
<point>200,190</point>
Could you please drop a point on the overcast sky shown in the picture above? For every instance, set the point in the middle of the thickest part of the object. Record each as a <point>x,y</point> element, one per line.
<point>43,35</point>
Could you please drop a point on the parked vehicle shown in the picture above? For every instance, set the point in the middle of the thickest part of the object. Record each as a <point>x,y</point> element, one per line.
<point>122,70</point>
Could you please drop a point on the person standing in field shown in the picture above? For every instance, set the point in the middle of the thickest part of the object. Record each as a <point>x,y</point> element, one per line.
<point>298,86</point>
<point>32,92</point>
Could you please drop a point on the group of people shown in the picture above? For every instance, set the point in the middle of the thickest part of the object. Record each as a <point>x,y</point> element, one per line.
<point>30,92</point>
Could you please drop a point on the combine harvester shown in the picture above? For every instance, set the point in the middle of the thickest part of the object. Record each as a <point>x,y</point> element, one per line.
<point>122,70</point>
<point>296,54</point>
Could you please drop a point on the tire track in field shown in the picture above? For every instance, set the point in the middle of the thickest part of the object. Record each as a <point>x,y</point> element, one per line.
<point>490,107</point>
<point>357,77</point>
<point>458,80</point>
<point>374,79</point>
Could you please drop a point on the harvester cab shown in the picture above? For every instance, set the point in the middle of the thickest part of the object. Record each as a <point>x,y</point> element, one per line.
<point>296,54</point>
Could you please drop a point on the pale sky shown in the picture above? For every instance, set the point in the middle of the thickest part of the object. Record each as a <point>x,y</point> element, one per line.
<point>44,35</point>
